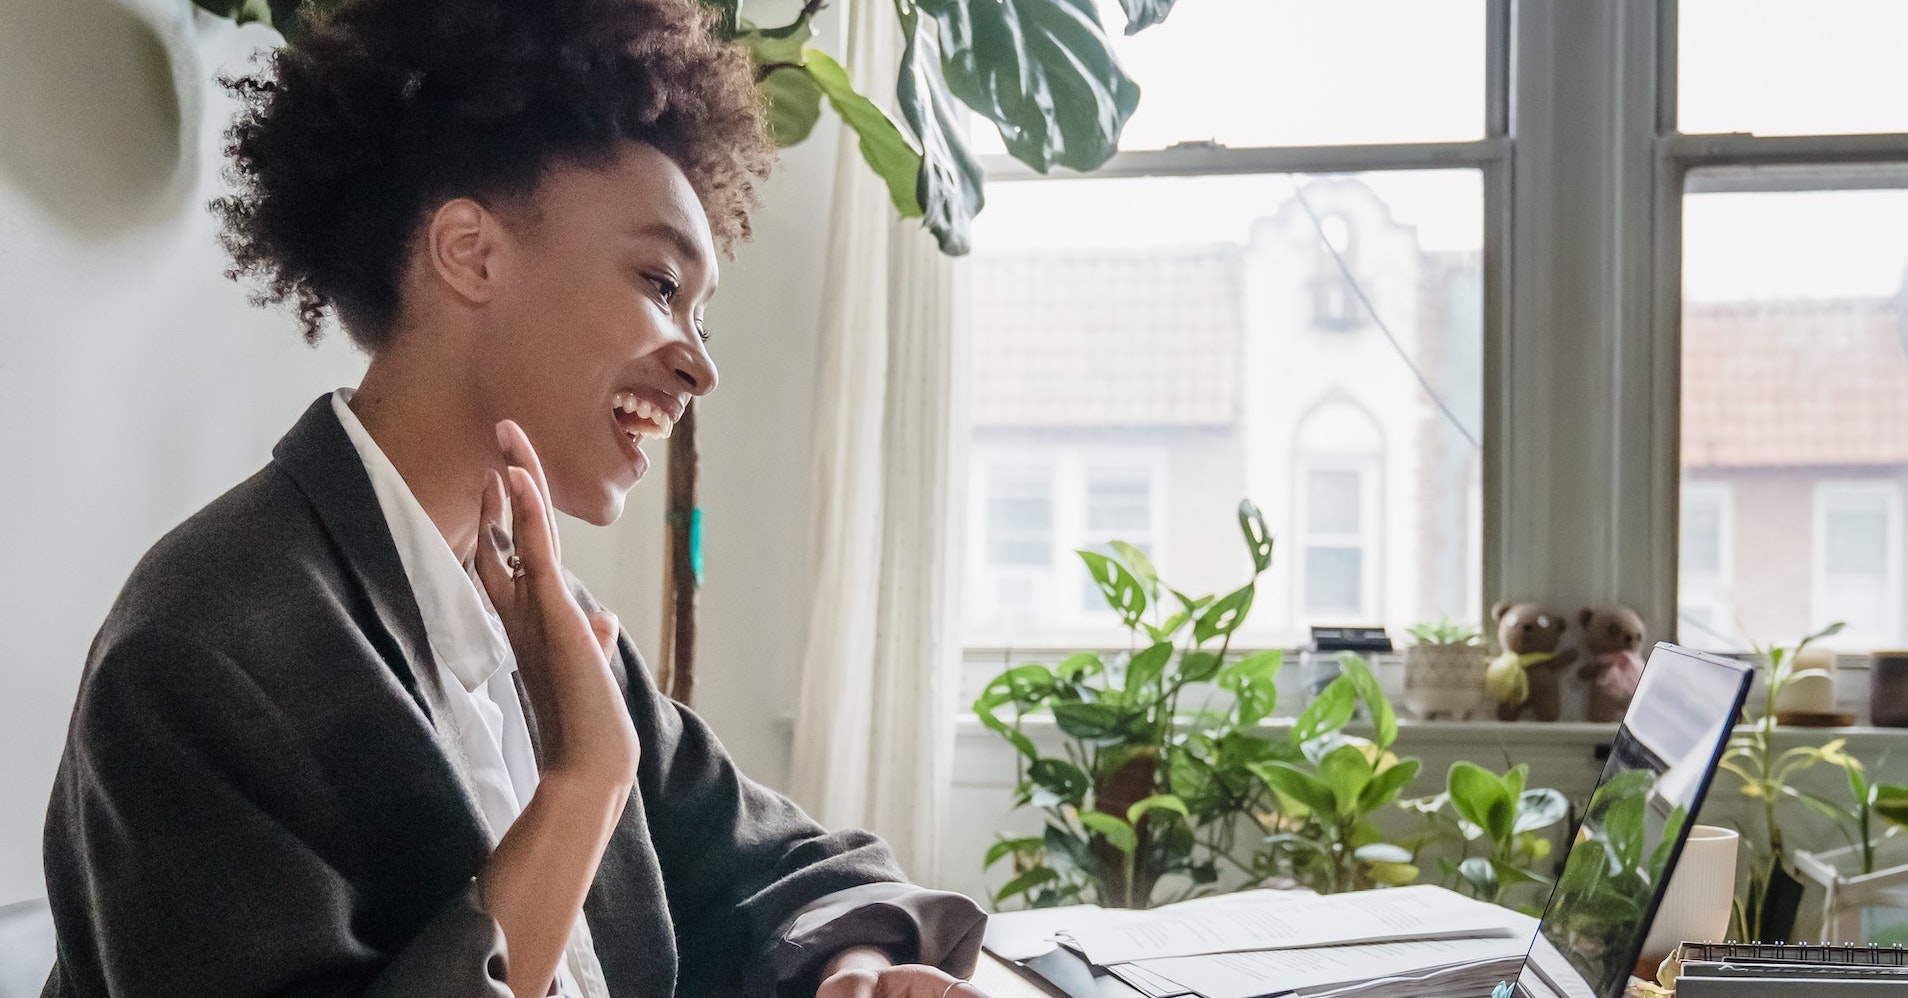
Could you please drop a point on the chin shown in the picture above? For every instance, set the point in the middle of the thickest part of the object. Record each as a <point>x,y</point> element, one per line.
<point>599,506</point>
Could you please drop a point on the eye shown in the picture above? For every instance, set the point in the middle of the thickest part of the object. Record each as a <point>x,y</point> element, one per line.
<point>666,290</point>
<point>702,331</point>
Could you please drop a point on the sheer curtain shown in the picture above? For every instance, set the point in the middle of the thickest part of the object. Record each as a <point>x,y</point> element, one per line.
<point>874,733</point>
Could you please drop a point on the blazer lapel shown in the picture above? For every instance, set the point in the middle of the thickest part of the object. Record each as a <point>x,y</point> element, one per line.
<point>320,458</point>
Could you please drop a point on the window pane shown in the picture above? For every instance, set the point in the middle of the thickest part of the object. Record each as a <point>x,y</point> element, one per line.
<point>1792,67</point>
<point>1855,544</point>
<point>1301,72</point>
<point>1334,580</point>
<point>1331,502</point>
<point>1165,325</point>
<point>1120,504</point>
<point>1795,379</point>
<point>1702,537</point>
<point>1020,517</point>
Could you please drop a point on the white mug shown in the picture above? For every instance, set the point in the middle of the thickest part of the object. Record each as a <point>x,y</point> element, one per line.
<point>1695,908</point>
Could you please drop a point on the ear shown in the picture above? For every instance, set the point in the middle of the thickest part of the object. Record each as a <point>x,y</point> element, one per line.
<point>1584,618</point>
<point>460,244</point>
<point>1501,608</point>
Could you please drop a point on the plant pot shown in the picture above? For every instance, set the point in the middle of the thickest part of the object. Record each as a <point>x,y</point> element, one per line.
<point>1445,681</point>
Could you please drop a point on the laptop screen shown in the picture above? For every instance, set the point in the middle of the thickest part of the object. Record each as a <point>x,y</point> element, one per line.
<point>1661,762</point>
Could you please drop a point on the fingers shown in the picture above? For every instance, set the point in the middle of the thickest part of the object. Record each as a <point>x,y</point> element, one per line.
<point>493,545</point>
<point>530,531</point>
<point>517,450</point>
<point>848,984</point>
<point>606,626</point>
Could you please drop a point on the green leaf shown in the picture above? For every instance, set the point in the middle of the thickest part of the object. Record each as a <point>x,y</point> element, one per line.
<point>1026,882</point>
<point>1257,537</point>
<point>1480,874</point>
<point>1225,616</point>
<point>947,187</point>
<point>1019,741</point>
<point>1007,847</point>
<point>794,104</point>
<point>1079,666</point>
<point>1383,720</point>
<point>1123,592</point>
<point>1478,797</point>
<point>1147,666</point>
<point>1382,852</point>
<point>1387,784</point>
<point>1539,808</point>
<point>1327,714</point>
<point>1118,833</point>
<point>1253,681</point>
<point>1140,565</point>
<point>1157,802</point>
<point>1392,874</point>
<point>883,145</point>
<point>1143,14</point>
<point>1198,666</point>
<point>1043,71</point>
<point>1062,778</point>
<point>1092,722</point>
<point>1301,786</point>
<point>1891,802</point>
<point>1346,770</point>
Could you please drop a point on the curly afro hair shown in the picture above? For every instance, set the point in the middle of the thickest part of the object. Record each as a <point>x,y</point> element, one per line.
<point>348,140</point>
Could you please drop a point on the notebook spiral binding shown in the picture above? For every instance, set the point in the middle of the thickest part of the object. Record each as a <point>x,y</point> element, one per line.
<point>1833,954</point>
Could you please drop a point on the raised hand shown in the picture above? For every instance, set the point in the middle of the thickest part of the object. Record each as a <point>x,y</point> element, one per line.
<point>562,653</point>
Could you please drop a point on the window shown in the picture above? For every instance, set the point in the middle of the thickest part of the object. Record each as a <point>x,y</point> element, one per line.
<point>1793,239</point>
<point>1201,322</point>
<point>1705,564</point>
<point>1336,545</point>
<point>1119,507</point>
<point>1858,558</point>
<point>1665,324</point>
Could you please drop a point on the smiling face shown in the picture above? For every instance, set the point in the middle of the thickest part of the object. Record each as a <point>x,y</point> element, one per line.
<point>593,340</point>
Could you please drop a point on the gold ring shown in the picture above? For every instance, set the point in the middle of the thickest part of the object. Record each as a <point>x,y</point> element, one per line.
<point>516,566</point>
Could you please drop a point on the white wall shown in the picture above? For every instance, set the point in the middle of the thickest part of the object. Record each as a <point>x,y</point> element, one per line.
<point>136,383</point>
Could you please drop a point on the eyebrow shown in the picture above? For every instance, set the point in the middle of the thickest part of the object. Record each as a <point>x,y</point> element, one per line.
<point>678,237</point>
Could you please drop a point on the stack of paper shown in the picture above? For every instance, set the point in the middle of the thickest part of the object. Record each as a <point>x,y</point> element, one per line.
<point>1421,942</point>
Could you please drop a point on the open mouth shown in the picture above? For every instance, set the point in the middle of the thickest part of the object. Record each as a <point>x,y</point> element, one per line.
<point>638,418</point>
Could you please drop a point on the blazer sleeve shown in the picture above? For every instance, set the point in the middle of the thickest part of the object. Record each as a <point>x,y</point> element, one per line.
<point>760,893</point>
<point>179,857</point>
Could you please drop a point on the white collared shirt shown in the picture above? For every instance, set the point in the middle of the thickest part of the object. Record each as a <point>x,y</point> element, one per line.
<point>473,695</point>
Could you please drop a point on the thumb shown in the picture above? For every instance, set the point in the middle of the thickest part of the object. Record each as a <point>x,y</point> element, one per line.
<point>605,626</point>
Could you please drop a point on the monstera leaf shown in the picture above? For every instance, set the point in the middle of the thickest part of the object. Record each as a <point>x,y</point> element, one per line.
<point>1143,14</point>
<point>1041,70</point>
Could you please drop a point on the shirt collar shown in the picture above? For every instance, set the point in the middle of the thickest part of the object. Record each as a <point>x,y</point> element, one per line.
<point>464,632</point>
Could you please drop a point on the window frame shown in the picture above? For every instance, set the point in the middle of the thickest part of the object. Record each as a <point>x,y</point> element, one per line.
<point>1583,173</point>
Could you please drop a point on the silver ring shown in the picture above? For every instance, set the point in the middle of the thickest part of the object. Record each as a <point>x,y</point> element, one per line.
<point>951,987</point>
<point>516,566</point>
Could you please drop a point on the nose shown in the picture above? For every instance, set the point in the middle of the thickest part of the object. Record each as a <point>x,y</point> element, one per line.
<point>695,369</point>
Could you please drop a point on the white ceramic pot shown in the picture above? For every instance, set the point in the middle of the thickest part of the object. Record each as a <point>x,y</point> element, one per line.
<point>1445,681</point>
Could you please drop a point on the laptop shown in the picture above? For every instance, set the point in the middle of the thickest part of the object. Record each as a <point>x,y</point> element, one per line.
<point>1661,763</point>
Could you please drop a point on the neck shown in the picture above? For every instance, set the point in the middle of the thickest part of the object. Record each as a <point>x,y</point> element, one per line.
<point>439,442</point>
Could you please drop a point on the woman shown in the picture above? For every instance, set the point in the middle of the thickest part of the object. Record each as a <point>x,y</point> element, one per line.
<point>351,729</point>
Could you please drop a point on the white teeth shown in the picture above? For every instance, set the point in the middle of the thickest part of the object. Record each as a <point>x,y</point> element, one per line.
<point>644,409</point>
<point>623,401</point>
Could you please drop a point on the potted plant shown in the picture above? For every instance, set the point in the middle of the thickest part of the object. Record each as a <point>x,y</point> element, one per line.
<point>1504,821</point>
<point>1145,785</point>
<point>1851,883</point>
<point>1444,669</point>
<point>1769,904</point>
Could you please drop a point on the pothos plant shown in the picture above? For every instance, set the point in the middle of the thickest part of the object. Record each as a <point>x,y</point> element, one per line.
<point>1609,877</point>
<point>1500,828</point>
<point>1042,71</point>
<point>1166,768</point>
<point>1145,785</point>
<point>1769,903</point>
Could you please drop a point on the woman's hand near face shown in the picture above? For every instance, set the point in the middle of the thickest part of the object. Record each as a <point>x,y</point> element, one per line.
<point>562,654</point>
<point>535,881</point>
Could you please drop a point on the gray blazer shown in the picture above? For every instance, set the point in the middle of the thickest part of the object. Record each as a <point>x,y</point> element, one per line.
<point>252,800</point>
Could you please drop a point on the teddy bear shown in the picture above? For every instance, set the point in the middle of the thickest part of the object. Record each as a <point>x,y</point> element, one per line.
<point>1611,636</point>
<point>1523,677</point>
